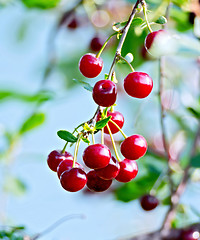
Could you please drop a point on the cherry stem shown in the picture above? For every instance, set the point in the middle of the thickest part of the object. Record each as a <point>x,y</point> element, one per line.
<point>102,135</point>
<point>93,139</point>
<point>104,45</point>
<point>145,15</point>
<point>121,131</point>
<point>124,59</point>
<point>76,150</point>
<point>112,109</point>
<point>113,143</point>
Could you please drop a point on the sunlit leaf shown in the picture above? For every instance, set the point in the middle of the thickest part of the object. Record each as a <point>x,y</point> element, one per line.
<point>67,136</point>
<point>102,123</point>
<point>44,4</point>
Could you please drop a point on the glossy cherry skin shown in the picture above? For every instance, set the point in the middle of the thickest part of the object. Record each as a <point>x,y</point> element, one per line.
<point>190,234</point>
<point>128,170</point>
<point>138,84</point>
<point>96,44</point>
<point>97,184</point>
<point>151,37</point>
<point>90,66</point>
<point>149,202</point>
<point>55,157</point>
<point>73,180</point>
<point>105,93</point>
<point>110,171</point>
<point>116,117</point>
<point>134,147</point>
<point>96,156</point>
<point>66,165</point>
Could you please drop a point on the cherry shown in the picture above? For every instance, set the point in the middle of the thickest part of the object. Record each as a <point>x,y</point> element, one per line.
<point>138,84</point>
<point>66,165</point>
<point>73,180</point>
<point>90,66</point>
<point>96,44</point>
<point>128,170</point>
<point>151,37</point>
<point>96,156</point>
<point>97,184</point>
<point>105,93</point>
<point>73,24</point>
<point>190,234</point>
<point>149,202</point>
<point>134,147</point>
<point>110,171</point>
<point>55,157</point>
<point>116,117</point>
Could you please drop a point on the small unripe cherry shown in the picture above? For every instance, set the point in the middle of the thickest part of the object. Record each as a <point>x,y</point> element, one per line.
<point>138,84</point>
<point>97,184</point>
<point>128,170</point>
<point>73,180</point>
<point>55,157</point>
<point>90,66</point>
<point>149,202</point>
<point>134,147</point>
<point>66,165</point>
<point>105,93</point>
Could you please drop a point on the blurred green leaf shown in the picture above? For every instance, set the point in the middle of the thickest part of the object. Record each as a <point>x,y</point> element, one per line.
<point>32,122</point>
<point>102,123</point>
<point>67,136</point>
<point>120,25</point>
<point>14,186</point>
<point>43,4</point>
<point>195,112</point>
<point>161,20</point>
<point>195,161</point>
<point>181,19</point>
<point>86,85</point>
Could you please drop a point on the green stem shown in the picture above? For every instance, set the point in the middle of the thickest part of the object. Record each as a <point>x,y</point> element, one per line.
<point>93,139</point>
<point>104,45</point>
<point>124,59</point>
<point>145,15</point>
<point>113,143</point>
<point>102,136</point>
<point>121,131</point>
<point>63,151</point>
<point>76,150</point>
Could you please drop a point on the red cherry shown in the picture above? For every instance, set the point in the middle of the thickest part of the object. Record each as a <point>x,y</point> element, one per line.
<point>105,93</point>
<point>97,184</point>
<point>134,147</point>
<point>128,170</point>
<point>55,157</point>
<point>96,44</point>
<point>151,37</point>
<point>138,84</point>
<point>73,24</point>
<point>90,66</point>
<point>149,202</point>
<point>117,117</point>
<point>73,180</point>
<point>96,156</point>
<point>110,171</point>
<point>66,165</point>
<point>190,234</point>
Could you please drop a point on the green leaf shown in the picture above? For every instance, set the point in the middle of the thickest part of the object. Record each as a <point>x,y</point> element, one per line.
<point>194,112</point>
<point>120,25</point>
<point>67,136</point>
<point>86,85</point>
<point>32,122</point>
<point>44,4</point>
<point>102,123</point>
<point>161,20</point>
<point>106,76</point>
<point>86,140</point>
<point>14,186</point>
<point>195,161</point>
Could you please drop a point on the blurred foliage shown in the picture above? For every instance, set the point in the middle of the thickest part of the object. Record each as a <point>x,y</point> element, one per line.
<point>43,4</point>
<point>13,233</point>
<point>14,186</point>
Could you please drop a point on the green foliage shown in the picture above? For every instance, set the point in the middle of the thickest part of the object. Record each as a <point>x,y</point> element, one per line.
<point>43,4</point>
<point>102,123</point>
<point>14,186</point>
<point>67,136</point>
<point>195,161</point>
<point>161,20</point>
<point>32,122</point>
<point>120,25</point>
<point>194,112</point>
<point>181,19</point>
<point>13,233</point>
<point>86,85</point>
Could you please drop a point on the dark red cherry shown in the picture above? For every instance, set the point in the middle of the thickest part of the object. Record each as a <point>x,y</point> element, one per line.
<point>90,66</point>
<point>128,170</point>
<point>96,44</point>
<point>151,37</point>
<point>134,147</point>
<point>73,24</point>
<point>66,165</point>
<point>110,171</point>
<point>190,234</point>
<point>138,84</point>
<point>105,93</point>
<point>97,184</point>
<point>73,180</point>
<point>55,157</point>
<point>149,202</point>
<point>117,117</point>
<point>96,156</point>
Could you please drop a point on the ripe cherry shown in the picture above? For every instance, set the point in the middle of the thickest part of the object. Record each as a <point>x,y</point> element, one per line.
<point>110,171</point>
<point>90,66</point>
<point>73,180</point>
<point>190,234</point>
<point>97,184</point>
<point>138,84</point>
<point>149,202</point>
<point>96,44</point>
<point>105,93</point>
<point>116,117</point>
<point>73,24</point>
<point>66,165</point>
<point>134,147</point>
<point>128,170</point>
<point>55,157</point>
<point>96,156</point>
<point>151,38</point>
